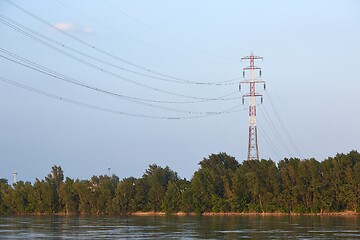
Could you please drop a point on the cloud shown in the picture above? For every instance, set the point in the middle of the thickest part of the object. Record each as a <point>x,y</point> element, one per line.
<point>69,27</point>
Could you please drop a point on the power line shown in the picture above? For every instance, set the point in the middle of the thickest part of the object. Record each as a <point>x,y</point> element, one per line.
<point>31,34</point>
<point>95,107</point>
<point>57,75</point>
<point>39,68</point>
<point>285,128</point>
<point>269,142</point>
<point>90,45</point>
<point>141,84</point>
<point>275,131</point>
<point>74,101</point>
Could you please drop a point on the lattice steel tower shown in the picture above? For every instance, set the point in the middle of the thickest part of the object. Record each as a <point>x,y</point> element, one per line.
<point>253,149</point>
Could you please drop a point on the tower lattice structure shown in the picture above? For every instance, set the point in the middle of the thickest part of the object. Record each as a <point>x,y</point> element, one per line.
<point>253,148</point>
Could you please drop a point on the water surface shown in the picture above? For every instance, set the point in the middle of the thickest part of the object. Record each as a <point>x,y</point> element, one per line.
<point>180,227</point>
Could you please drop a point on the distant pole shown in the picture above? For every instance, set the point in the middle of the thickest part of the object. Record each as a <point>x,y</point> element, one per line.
<point>109,171</point>
<point>14,175</point>
<point>253,149</point>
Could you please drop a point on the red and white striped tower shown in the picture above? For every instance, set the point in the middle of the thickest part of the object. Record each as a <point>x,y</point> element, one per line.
<point>253,149</point>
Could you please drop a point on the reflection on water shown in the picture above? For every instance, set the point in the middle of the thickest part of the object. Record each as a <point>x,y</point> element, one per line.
<point>180,227</point>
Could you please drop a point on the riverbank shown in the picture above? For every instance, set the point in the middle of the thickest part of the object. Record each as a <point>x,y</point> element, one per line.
<point>345,213</point>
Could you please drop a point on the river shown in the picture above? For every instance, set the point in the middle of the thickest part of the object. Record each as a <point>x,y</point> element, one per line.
<point>180,227</point>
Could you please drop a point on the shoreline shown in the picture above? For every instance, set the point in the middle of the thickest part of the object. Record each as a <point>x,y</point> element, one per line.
<point>205,214</point>
<point>346,213</point>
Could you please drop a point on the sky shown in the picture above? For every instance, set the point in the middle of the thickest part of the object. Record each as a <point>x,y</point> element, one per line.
<point>103,84</point>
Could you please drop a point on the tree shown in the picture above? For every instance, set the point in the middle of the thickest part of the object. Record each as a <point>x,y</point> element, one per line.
<point>68,196</point>
<point>49,198</point>
<point>343,169</point>
<point>124,201</point>
<point>49,191</point>
<point>172,198</point>
<point>328,191</point>
<point>84,190</point>
<point>105,193</point>
<point>5,196</point>
<point>201,190</point>
<point>311,184</point>
<point>269,186</point>
<point>241,197</point>
<point>141,195</point>
<point>288,184</point>
<point>221,184</point>
<point>157,178</point>
<point>249,170</point>
<point>357,183</point>
<point>20,197</point>
<point>212,183</point>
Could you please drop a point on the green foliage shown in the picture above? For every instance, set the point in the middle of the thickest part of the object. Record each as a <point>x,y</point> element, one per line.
<point>212,183</point>
<point>157,179</point>
<point>172,199</point>
<point>5,196</point>
<point>20,197</point>
<point>68,197</point>
<point>221,184</point>
<point>124,201</point>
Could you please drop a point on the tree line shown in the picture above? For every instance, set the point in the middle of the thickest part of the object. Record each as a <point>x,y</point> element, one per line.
<point>221,184</point>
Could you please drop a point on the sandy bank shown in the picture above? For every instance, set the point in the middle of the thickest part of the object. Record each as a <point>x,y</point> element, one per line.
<point>346,213</point>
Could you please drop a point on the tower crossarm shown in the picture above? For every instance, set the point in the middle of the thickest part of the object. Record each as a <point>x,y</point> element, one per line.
<point>251,57</point>
<point>250,96</point>
<point>255,95</point>
<point>253,68</point>
<point>252,82</point>
<point>255,81</point>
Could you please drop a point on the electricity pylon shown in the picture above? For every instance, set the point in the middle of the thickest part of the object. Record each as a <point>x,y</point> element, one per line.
<point>253,149</point>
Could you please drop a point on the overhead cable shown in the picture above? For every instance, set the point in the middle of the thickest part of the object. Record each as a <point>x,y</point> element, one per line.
<point>90,45</point>
<point>31,65</point>
<point>33,35</point>
<point>275,131</point>
<point>269,142</point>
<point>44,70</point>
<point>292,142</point>
<point>95,107</point>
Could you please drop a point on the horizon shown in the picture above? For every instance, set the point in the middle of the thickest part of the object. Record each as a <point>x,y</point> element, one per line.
<point>111,174</point>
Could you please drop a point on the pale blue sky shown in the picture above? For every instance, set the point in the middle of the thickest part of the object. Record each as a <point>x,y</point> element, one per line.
<point>311,55</point>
